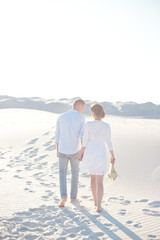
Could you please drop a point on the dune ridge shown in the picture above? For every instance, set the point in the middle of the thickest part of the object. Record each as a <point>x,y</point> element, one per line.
<point>127,109</point>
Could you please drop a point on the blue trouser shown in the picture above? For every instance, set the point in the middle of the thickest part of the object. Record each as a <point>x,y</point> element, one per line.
<point>63,164</point>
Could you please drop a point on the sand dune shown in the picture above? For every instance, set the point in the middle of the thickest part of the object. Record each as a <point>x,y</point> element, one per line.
<point>131,109</point>
<point>30,187</point>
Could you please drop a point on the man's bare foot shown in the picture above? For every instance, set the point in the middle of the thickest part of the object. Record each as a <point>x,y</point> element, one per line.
<point>62,203</point>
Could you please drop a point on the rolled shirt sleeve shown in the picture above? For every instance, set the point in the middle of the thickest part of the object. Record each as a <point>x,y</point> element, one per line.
<point>85,135</point>
<point>82,129</point>
<point>57,132</point>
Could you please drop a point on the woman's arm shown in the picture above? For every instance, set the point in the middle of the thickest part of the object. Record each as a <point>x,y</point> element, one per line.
<point>109,143</point>
<point>84,142</point>
<point>112,157</point>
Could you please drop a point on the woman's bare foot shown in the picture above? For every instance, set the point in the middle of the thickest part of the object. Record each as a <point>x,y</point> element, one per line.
<point>62,203</point>
<point>99,210</point>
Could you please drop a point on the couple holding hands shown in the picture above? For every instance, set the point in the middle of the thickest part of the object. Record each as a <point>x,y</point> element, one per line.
<point>77,142</point>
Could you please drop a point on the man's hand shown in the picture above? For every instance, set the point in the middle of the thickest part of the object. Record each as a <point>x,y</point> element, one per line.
<point>81,154</point>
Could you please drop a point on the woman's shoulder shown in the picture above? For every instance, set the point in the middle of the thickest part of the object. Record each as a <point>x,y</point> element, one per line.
<point>88,123</point>
<point>97,123</point>
<point>106,124</point>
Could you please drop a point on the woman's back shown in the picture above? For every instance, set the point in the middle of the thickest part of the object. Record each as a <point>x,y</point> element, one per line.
<point>97,131</point>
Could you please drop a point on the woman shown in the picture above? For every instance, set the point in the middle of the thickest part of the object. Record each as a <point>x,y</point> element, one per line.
<point>94,153</point>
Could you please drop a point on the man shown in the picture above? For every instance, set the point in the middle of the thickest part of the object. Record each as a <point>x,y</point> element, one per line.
<point>69,133</point>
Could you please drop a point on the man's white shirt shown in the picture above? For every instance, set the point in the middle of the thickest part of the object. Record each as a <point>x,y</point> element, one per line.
<point>69,132</point>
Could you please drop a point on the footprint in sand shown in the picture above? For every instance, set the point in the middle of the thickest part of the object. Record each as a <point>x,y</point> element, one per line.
<point>85,197</point>
<point>154,204</point>
<point>52,138</point>
<point>142,201</point>
<point>82,186</point>
<point>45,198</point>
<point>32,153</point>
<point>29,190</point>
<point>151,212</point>
<point>152,237</point>
<point>120,200</point>
<point>129,222</point>
<point>122,212</point>
<point>50,148</point>
<point>3,170</point>
<point>27,149</point>
<point>99,234</point>
<point>137,225</point>
<point>108,225</point>
<point>40,158</point>
<point>28,182</point>
<point>17,176</point>
<point>33,141</point>
<point>10,165</point>
<point>22,229</point>
<point>47,143</point>
<point>46,133</point>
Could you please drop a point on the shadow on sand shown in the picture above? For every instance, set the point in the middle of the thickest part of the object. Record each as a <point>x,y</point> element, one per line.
<point>130,234</point>
<point>52,222</point>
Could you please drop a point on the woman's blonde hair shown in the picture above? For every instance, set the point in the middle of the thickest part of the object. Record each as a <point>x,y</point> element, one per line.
<point>98,110</point>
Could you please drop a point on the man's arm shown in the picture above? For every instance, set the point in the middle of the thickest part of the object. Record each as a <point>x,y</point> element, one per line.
<point>57,134</point>
<point>81,153</point>
<point>82,129</point>
<point>57,148</point>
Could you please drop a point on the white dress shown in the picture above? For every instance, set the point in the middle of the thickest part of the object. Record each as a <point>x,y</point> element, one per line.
<point>96,135</point>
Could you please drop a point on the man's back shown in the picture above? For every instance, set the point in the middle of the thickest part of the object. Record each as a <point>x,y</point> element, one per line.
<point>69,132</point>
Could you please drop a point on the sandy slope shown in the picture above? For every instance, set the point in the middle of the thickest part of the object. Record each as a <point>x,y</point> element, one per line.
<point>30,187</point>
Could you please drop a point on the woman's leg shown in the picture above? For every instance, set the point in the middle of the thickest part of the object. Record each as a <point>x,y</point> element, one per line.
<point>94,188</point>
<point>99,181</point>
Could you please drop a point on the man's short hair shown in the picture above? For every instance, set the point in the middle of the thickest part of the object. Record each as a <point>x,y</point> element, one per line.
<point>78,102</point>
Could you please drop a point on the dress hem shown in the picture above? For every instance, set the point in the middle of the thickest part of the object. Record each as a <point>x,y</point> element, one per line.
<point>97,174</point>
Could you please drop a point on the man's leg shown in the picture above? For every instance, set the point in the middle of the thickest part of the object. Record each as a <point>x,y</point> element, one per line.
<point>75,175</point>
<point>63,164</point>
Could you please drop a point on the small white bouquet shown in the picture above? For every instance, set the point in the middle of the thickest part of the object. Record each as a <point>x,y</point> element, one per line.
<point>112,174</point>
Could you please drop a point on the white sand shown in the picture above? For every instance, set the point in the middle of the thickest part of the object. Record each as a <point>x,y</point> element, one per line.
<point>29,182</point>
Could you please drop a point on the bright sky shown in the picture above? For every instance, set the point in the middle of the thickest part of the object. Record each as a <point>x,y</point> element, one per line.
<point>104,50</point>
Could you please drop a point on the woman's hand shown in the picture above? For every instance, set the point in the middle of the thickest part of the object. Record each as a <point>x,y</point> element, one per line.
<point>112,157</point>
<point>112,160</point>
